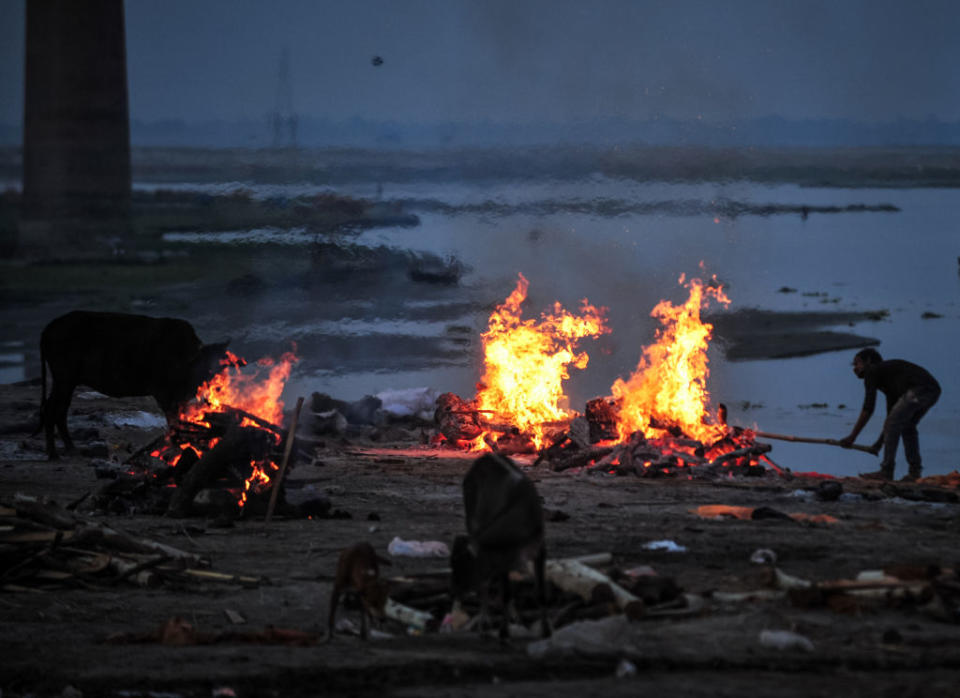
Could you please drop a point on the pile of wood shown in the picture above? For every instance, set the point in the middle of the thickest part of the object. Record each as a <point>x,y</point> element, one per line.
<point>591,441</point>
<point>217,455</point>
<point>662,457</point>
<point>46,547</point>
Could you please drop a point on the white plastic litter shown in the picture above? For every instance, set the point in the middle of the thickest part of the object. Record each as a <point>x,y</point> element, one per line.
<point>418,548</point>
<point>421,402</point>
<point>144,420</point>
<point>802,494</point>
<point>785,640</point>
<point>665,545</point>
<point>626,668</point>
<point>763,556</point>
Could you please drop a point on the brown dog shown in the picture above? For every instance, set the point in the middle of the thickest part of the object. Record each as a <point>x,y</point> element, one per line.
<point>358,572</point>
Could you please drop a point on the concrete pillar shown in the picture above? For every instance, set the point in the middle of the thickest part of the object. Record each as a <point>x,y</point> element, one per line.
<point>76,131</point>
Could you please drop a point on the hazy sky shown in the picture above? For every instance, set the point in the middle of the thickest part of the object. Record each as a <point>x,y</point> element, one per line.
<point>525,60</point>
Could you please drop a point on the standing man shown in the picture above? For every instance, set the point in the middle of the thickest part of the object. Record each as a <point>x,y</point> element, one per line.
<point>910,391</point>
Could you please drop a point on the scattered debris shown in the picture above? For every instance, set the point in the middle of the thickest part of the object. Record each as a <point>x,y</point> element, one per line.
<point>46,547</point>
<point>417,548</point>
<point>785,640</point>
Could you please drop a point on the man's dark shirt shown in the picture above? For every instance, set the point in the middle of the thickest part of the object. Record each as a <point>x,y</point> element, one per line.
<point>893,378</point>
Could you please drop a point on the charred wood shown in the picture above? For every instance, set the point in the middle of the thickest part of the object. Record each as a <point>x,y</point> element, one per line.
<point>602,414</point>
<point>748,451</point>
<point>457,419</point>
<point>238,446</point>
<point>580,458</point>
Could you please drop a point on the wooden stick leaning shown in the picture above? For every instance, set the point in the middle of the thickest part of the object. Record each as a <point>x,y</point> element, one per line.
<point>291,435</point>
<point>807,440</point>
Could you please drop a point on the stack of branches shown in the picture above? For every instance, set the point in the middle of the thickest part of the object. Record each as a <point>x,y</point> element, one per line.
<point>45,547</point>
<point>217,452</point>
<point>461,423</point>
<point>592,441</point>
<point>587,443</point>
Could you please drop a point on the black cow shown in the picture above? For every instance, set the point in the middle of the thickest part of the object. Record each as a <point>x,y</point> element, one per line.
<point>120,355</point>
<point>505,531</point>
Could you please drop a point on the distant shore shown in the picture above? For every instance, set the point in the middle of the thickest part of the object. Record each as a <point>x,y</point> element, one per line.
<point>862,167</point>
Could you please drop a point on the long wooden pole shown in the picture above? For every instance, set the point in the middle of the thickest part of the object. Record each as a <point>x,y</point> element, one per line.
<point>807,440</point>
<point>291,435</point>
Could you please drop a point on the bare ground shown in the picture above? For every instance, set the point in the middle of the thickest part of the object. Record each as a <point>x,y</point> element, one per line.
<point>57,637</point>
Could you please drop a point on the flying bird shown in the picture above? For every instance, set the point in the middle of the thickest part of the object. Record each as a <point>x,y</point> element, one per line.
<point>376,60</point>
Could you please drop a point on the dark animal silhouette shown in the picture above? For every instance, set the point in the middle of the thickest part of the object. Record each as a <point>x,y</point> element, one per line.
<point>505,531</point>
<point>358,573</point>
<point>120,355</point>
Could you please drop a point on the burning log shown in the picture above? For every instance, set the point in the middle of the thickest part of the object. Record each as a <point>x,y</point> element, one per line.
<point>748,451</point>
<point>457,419</point>
<point>580,458</point>
<point>602,415</point>
<point>238,445</point>
<point>511,443</point>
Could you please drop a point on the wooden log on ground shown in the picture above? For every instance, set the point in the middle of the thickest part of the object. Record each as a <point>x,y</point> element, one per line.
<point>580,458</point>
<point>754,450</point>
<point>573,575</point>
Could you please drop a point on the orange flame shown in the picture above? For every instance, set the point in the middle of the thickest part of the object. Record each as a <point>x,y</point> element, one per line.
<point>257,392</point>
<point>526,361</point>
<point>668,387</point>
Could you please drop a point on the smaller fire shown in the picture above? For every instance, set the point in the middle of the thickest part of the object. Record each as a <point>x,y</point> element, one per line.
<point>257,393</point>
<point>244,406</point>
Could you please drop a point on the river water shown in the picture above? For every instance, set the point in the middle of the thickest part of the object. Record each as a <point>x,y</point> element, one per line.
<point>623,245</point>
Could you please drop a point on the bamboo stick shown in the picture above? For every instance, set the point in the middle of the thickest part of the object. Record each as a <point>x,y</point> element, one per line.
<point>808,440</point>
<point>291,435</point>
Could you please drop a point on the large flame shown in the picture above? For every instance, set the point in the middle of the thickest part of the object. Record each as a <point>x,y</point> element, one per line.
<point>669,386</point>
<point>526,361</point>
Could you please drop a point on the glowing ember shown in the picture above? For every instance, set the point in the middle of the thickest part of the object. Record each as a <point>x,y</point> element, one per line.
<point>526,361</point>
<point>669,386</point>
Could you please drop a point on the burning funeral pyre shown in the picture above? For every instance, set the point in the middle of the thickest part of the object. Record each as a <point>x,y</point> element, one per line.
<point>229,440</point>
<point>657,422</point>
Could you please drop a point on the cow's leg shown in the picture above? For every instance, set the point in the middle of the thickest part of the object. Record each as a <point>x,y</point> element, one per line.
<point>58,404</point>
<point>55,416</point>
